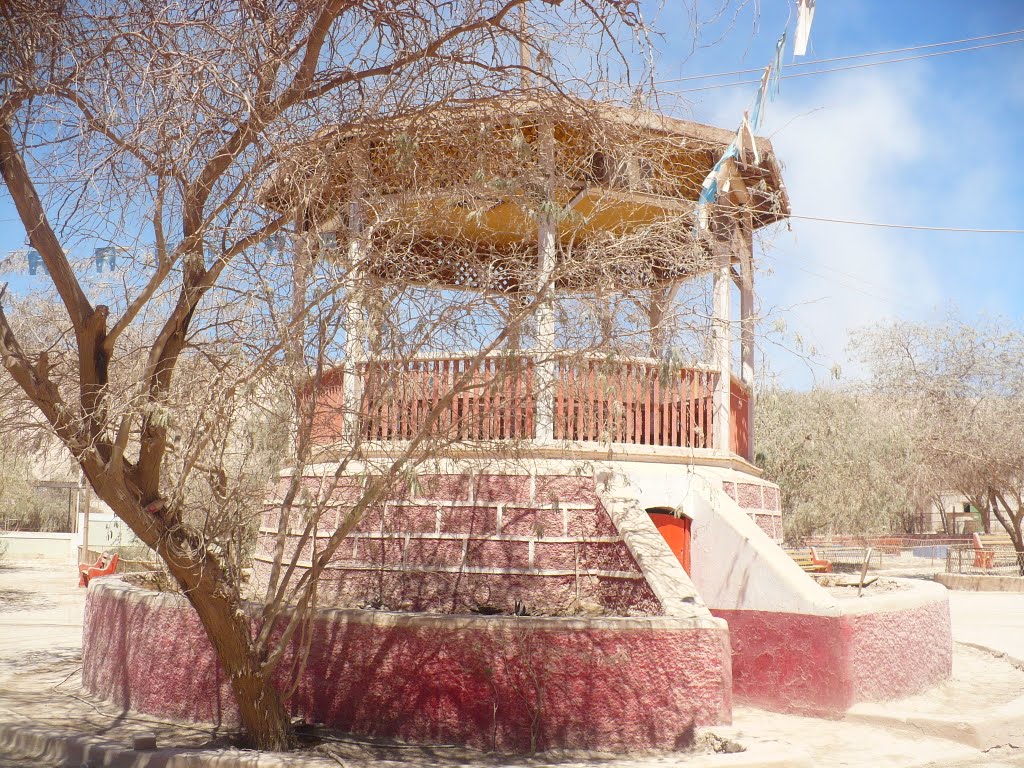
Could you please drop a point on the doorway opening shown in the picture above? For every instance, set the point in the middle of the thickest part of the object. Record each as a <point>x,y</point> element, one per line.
<point>676,532</point>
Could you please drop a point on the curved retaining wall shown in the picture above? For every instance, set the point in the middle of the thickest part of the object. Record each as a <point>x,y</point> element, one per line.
<point>823,665</point>
<point>796,647</point>
<point>493,682</point>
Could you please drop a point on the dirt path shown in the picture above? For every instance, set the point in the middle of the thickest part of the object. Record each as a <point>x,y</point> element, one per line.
<point>41,611</point>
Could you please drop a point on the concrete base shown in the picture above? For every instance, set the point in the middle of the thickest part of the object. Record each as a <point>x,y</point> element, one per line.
<point>978,583</point>
<point>1003,726</point>
<point>46,626</point>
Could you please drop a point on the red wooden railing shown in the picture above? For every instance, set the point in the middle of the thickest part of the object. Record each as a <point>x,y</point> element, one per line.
<point>327,411</point>
<point>739,427</point>
<point>632,402</point>
<point>453,398</point>
<point>636,403</point>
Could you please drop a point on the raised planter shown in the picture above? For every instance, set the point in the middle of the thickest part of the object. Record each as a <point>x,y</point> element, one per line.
<point>494,682</point>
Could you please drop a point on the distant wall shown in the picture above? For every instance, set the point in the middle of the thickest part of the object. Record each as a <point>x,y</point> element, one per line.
<point>493,682</point>
<point>106,530</point>
<point>980,583</point>
<point>27,545</point>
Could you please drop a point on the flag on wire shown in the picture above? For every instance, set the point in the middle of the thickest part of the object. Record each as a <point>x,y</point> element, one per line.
<point>105,255</point>
<point>35,261</point>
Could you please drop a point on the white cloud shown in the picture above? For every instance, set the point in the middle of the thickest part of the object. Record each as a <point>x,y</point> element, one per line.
<point>852,148</point>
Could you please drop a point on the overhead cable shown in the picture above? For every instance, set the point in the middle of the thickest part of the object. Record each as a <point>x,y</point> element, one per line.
<point>853,66</point>
<point>909,226</point>
<point>811,62</point>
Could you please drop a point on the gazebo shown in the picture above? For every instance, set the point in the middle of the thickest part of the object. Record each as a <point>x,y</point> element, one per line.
<point>570,181</point>
<point>567,509</point>
<point>573,549</point>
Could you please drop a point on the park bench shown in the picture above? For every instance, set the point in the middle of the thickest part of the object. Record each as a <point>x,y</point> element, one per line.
<point>809,561</point>
<point>105,566</point>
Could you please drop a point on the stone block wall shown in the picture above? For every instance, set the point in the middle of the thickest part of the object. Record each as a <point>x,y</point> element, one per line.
<point>473,542</point>
<point>761,501</point>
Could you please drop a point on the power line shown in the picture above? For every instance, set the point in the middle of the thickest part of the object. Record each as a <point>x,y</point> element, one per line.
<point>881,296</point>
<point>853,66</point>
<point>842,58</point>
<point>909,226</point>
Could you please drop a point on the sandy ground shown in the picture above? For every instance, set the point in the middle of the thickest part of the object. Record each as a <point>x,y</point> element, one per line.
<point>40,656</point>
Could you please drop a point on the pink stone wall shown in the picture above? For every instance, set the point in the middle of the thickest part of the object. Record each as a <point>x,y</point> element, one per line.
<point>151,657</point>
<point>465,542</point>
<point>759,500</point>
<point>749,496</point>
<point>770,524</point>
<point>823,665</point>
<point>503,683</point>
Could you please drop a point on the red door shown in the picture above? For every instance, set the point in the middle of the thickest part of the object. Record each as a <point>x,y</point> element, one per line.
<point>676,531</point>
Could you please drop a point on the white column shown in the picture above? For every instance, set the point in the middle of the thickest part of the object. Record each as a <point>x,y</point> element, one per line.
<point>515,303</point>
<point>547,233</point>
<point>747,329</point>
<point>747,322</point>
<point>547,366</point>
<point>86,509</point>
<point>295,350</point>
<point>722,341</point>
<point>355,326</point>
<point>662,297</point>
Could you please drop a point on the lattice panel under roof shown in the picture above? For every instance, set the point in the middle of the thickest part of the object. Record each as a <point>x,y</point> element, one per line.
<point>457,265</point>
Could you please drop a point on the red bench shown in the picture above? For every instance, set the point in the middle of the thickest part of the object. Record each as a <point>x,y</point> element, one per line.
<point>809,561</point>
<point>105,566</point>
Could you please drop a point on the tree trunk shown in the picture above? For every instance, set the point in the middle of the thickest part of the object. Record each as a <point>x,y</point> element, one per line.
<point>1011,519</point>
<point>265,721</point>
<point>264,718</point>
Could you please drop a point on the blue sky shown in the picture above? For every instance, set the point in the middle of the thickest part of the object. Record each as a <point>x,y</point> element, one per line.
<point>934,141</point>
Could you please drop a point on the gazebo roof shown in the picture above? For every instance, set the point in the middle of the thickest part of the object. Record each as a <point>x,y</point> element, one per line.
<point>463,187</point>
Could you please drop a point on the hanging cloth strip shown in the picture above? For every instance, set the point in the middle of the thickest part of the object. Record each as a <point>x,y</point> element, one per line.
<point>804,19</point>
<point>747,131</point>
<point>712,182</point>
<point>717,180</point>
<point>709,189</point>
<point>776,64</point>
<point>105,255</point>
<point>762,91</point>
<point>35,261</point>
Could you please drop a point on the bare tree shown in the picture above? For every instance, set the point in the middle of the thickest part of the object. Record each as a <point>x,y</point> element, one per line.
<point>193,136</point>
<point>961,387</point>
<point>844,461</point>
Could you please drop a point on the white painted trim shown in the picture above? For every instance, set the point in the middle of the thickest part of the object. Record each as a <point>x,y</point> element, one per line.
<point>470,536</point>
<point>465,569</point>
<point>509,455</point>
